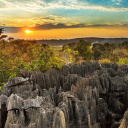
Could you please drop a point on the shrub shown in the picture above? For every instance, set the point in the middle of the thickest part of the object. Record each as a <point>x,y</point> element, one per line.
<point>84,49</point>
<point>1,88</point>
<point>123,61</point>
<point>103,61</point>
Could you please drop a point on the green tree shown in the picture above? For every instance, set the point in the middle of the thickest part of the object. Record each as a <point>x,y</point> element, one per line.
<point>84,50</point>
<point>97,54</point>
<point>70,56</point>
<point>20,54</point>
<point>43,58</point>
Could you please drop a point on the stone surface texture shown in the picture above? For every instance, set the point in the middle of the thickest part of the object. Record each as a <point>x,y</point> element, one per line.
<point>89,95</point>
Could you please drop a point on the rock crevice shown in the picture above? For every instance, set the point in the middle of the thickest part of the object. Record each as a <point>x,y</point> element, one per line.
<point>89,95</point>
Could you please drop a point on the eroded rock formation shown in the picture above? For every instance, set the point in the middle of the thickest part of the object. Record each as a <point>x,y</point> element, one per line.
<point>77,96</point>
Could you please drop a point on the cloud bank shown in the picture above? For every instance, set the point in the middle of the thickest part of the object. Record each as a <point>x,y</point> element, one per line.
<point>17,15</point>
<point>31,5</point>
<point>49,26</point>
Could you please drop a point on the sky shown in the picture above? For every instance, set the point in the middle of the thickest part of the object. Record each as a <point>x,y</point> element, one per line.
<point>64,19</point>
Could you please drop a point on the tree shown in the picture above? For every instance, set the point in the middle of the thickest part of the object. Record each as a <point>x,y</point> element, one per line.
<point>98,47</point>
<point>124,43</point>
<point>70,56</point>
<point>20,54</point>
<point>1,31</point>
<point>84,50</point>
<point>43,58</point>
<point>3,36</point>
<point>97,54</point>
<point>10,39</point>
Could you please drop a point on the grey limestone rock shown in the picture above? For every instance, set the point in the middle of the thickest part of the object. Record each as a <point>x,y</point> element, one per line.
<point>88,95</point>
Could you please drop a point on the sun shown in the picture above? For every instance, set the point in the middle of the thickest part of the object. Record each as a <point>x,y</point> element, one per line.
<point>27,31</point>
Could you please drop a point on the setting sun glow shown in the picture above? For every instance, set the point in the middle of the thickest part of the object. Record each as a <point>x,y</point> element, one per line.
<point>27,31</point>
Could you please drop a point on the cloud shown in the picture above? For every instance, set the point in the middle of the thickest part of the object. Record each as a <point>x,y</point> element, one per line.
<point>32,21</point>
<point>49,26</point>
<point>11,29</point>
<point>48,18</point>
<point>61,25</point>
<point>57,26</point>
<point>34,5</point>
<point>2,5</point>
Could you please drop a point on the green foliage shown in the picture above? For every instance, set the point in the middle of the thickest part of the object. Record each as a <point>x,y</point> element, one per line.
<point>84,50</point>
<point>105,50</point>
<point>16,55</point>
<point>70,55</point>
<point>82,47</point>
<point>76,51</point>
<point>43,59</point>
<point>1,87</point>
<point>104,61</point>
<point>98,47</point>
<point>124,43</point>
<point>97,54</point>
<point>123,61</point>
<point>70,45</point>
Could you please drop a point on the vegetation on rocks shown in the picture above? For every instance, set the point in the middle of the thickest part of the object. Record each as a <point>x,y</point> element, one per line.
<point>104,61</point>
<point>93,95</point>
<point>16,55</point>
<point>103,53</point>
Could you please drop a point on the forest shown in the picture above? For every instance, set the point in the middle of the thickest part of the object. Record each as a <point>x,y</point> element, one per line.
<point>17,55</point>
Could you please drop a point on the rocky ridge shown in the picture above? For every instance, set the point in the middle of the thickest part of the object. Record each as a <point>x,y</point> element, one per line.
<point>89,95</point>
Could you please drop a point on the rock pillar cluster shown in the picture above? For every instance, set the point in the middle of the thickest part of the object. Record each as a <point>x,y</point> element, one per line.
<point>89,95</point>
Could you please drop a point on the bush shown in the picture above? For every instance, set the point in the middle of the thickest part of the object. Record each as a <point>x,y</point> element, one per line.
<point>84,49</point>
<point>123,61</point>
<point>1,88</point>
<point>20,54</point>
<point>104,61</point>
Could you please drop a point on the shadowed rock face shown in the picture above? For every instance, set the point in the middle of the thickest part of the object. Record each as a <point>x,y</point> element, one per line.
<point>77,96</point>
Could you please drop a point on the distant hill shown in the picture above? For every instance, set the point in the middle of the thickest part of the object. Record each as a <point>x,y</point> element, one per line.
<point>61,42</point>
